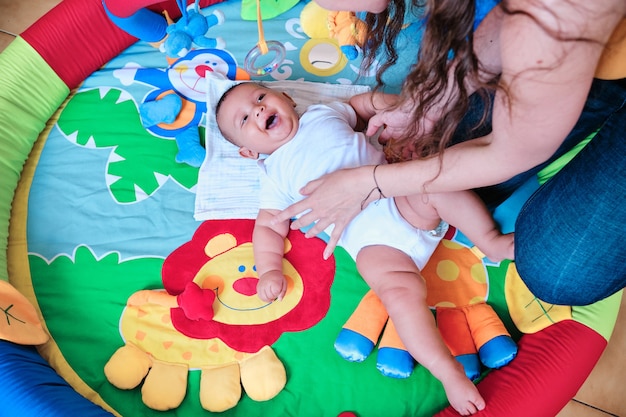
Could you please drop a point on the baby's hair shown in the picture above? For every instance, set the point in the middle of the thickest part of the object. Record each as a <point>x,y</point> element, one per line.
<point>221,101</point>
<point>217,110</point>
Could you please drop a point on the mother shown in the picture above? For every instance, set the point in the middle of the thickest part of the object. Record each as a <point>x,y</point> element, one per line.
<point>558,71</point>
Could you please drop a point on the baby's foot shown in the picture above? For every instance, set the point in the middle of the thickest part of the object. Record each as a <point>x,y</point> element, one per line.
<point>463,394</point>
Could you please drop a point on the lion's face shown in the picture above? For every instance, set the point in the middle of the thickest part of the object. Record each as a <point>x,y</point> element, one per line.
<point>232,275</point>
<point>219,258</point>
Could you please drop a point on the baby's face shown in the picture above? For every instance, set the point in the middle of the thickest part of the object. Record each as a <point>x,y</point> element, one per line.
<point>258,118</point>
<point>372,6</point>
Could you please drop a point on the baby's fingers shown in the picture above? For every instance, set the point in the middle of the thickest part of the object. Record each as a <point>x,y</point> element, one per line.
<point>265,295</point>
<point>374,126</point>
<point>283,291</point>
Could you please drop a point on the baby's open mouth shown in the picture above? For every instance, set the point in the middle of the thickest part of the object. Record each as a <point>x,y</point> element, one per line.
<point>271,121</point>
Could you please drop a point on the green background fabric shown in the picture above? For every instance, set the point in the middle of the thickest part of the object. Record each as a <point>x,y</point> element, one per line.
<point>94,293</point>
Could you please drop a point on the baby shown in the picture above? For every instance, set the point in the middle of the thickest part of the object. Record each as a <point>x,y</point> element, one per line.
<point>391,239</point>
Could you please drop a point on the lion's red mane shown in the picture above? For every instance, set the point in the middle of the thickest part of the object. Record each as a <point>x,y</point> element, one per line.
<point>182,265</point>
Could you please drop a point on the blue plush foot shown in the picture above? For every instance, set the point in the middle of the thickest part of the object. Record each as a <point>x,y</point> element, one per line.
<point>190,151</point>
<point>209,43</point>
<point>395,363</point>
<point>353,346</point>
<point>471,364</point>
<point>215,18</point>
<point>350,52</point>
<point>498,352</point>
<point>200,38</point>
<point>163,110</point>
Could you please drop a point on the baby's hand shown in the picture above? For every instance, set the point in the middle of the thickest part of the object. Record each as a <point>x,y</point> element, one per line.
<point>271,286</point>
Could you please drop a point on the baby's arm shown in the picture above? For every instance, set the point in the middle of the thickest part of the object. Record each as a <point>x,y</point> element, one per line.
<point>268,242</point>
<point>466,211</point>
<point>368,104</point>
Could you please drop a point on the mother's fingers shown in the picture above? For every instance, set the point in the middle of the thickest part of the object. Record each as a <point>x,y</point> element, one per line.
<point>288,213</point>
<point>334,198</point>
<point>306,220</point>
<point>298,207</point>
<point>333,241</point>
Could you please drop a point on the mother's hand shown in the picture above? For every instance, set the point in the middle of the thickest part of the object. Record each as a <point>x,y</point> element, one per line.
<point>335,198</point>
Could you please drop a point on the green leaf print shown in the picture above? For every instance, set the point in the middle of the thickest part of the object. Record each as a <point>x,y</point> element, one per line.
<point>139,163</point>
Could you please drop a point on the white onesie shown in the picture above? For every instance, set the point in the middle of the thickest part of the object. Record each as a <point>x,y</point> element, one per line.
<point>326,142</point>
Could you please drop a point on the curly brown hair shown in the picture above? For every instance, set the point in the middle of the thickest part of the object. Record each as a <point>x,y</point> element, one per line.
<point>445,65</point>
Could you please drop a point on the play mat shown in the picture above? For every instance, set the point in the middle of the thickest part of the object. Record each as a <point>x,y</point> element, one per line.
<point>126,271</point>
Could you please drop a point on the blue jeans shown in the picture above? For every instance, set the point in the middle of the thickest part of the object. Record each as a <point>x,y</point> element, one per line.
<point>569,246</point>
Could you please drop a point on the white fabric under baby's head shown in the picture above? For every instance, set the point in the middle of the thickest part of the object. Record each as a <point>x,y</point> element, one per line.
<point>228,185</point>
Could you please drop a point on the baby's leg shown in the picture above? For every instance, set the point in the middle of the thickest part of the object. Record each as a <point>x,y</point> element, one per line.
<point>475,221</point>
<point>396,280</point>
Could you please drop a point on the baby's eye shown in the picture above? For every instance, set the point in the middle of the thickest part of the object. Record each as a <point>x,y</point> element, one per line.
<point>245,119</point>
<point>261,97</point>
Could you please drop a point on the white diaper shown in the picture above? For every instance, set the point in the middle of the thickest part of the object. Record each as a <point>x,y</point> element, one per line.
<point>380,223</point>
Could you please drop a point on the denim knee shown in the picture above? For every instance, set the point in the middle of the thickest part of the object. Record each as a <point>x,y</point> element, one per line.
<point>569,234</point>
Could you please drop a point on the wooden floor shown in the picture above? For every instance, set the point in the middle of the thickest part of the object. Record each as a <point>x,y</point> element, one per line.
<point>604,392</point>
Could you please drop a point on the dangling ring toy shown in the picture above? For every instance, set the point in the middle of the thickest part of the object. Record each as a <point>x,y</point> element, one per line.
<point>256,63</point>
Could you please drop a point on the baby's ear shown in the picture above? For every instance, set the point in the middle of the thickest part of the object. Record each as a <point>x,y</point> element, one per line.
<point>247,153</point>
<point>293,103</point>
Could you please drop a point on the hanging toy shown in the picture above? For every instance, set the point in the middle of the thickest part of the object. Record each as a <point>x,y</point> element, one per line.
<point>276,50</point>
<point>190,30</point>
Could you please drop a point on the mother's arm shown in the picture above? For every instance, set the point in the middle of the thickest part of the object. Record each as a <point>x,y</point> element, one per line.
<point>547,73</point>
<point>547,69</point>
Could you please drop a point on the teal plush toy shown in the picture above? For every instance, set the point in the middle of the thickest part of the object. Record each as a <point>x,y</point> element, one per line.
<point>191,30</point>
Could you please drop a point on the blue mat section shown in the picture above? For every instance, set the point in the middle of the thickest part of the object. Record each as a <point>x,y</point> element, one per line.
<point>30,387</point>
